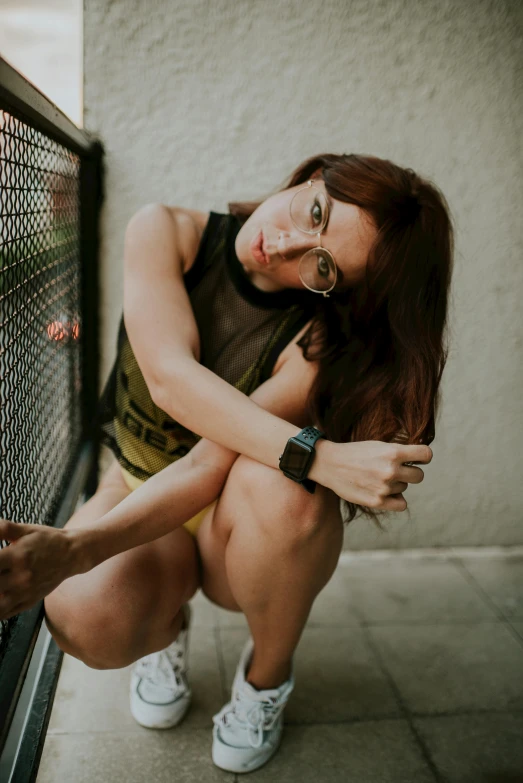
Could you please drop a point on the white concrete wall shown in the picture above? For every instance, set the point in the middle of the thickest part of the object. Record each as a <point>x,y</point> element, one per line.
<point>202,102</point>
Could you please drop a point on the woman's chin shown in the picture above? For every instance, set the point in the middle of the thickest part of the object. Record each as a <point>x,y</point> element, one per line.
<point>262,280</point>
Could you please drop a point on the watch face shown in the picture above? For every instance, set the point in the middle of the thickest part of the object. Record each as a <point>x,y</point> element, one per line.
<point>295,459</point>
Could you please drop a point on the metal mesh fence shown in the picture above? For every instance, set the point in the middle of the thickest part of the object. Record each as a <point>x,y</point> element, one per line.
<point>40,328</point>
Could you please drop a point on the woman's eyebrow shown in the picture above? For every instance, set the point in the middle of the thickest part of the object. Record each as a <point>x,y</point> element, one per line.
<point>330,206</point>
<point>341,276</point>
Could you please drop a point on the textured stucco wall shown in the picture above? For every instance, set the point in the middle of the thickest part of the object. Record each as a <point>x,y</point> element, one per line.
<point>199,103</point>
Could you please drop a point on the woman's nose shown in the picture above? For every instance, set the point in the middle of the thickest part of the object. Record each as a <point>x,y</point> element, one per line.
<point>294,243</point>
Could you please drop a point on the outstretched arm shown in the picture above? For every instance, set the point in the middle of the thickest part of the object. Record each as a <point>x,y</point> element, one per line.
<point>164,337</point>
<point>172,496</point>
<point>43,557</point>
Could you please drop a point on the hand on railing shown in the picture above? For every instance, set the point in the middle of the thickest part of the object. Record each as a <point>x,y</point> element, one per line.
<point>38,559</point>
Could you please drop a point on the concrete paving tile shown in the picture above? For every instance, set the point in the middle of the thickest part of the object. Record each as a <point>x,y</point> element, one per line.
<point>475,748</point>
<point>97,700</point>
<point>335,605</point>
<point>501,579</point>
<point>337,676</point>
<point>401,590</point>
<point>204,612</point>
<point>370,752</point>
<point>450,668</point>
<point>518,627</point>
<point>91,699</point>
<point>228,619</point>
<point>181,755</point>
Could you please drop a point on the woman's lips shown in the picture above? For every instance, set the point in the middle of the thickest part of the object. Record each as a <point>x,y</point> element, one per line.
<point>256,248</point>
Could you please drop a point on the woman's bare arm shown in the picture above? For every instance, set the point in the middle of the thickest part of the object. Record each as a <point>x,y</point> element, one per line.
<point>44,556</point>
<point>164,336</point>
<point>172,496</point>
<point>163,333</point>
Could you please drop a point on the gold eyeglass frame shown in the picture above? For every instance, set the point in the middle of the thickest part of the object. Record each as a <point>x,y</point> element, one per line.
<point>310,184</point>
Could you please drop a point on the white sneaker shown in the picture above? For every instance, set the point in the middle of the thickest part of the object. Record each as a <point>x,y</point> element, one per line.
<point>160,694</point>
<point>247,731</point>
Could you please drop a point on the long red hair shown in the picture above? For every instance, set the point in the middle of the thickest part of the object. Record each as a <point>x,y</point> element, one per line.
<point>381,345</point>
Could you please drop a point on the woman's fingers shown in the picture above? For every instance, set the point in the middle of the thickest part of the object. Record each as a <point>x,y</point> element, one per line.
<point>8,581</point>
<point>397,487</point>
<point>12,531</point>
<point>12,570</point>
<point>412,453</point>
<point>395,503</point>
<point>374,474</point>
<point>15,600</point>
<point>15,611</point>
<point>412,475</point>
<point>8,605</point>
<point>6,572</point>
<point>6,559</point>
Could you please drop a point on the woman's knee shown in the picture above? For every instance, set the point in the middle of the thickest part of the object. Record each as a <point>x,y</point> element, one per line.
<point>273,498</point>
<point>87,636</point>
<point>105,617</point>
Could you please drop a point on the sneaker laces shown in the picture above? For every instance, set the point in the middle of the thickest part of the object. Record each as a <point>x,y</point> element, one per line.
<point>257,716</point>
<point>163,667</point>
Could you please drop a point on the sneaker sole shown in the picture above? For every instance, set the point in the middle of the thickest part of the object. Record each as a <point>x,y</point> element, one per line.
<point>138,713</point>
<point>234,759</point>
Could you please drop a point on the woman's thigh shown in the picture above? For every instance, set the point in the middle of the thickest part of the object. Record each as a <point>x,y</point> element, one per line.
<point>143,587</point>
<point>212,538</point>
<point>255,494</point>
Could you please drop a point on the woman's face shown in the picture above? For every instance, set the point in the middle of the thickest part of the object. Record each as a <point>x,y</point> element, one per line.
<point>269,246</point>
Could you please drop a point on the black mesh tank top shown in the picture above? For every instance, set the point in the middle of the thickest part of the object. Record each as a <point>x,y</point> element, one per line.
<point>242,331</point>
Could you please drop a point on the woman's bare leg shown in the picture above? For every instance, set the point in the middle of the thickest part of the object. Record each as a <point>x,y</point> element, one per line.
<point>128,606</point>
<point>280,547</point>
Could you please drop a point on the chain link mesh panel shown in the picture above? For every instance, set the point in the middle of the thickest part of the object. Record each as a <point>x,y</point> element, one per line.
<point>40,329</point>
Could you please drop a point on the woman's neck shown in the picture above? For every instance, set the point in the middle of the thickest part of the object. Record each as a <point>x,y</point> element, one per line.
<point>261,282</point>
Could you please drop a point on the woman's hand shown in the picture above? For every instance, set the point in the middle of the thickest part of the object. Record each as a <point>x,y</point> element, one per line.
<point>372,473</point>
<point>38,560</point>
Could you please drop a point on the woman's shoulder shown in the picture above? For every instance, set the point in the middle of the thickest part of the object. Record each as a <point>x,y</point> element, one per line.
<point>195,216</point>
<point>190,225</point>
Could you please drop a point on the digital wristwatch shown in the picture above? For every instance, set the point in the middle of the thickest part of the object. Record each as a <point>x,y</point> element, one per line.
<point>298,455</point>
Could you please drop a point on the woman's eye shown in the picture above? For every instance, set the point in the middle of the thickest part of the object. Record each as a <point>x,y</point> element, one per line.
<point>316,213</point>
<point>323,267</point>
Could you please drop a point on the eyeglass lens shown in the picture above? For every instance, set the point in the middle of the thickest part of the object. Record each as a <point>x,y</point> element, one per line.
<point>317,270</point>
<point>309,211</point>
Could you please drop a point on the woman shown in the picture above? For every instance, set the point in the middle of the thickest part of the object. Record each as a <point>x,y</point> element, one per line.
<point>321,309</point>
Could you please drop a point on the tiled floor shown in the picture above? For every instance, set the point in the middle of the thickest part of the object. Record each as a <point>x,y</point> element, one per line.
<point>410,669</point>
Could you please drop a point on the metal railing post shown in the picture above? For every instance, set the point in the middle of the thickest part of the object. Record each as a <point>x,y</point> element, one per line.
<point>91,197</point>
<point>50,198</point>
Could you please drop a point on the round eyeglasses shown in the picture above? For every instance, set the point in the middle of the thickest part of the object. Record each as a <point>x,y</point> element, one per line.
<point>309,211</point>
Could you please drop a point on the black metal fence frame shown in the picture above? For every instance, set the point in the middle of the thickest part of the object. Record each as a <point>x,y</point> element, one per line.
<point>22,100</point>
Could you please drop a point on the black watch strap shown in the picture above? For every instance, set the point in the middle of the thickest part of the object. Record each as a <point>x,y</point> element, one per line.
<point>309,485</point>
<point>309,436</point>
